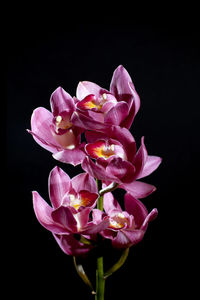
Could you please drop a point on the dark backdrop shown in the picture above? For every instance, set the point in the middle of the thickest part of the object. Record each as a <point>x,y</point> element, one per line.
<point>163,60</point>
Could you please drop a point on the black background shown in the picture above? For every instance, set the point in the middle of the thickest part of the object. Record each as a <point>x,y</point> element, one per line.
<point>162,57</point>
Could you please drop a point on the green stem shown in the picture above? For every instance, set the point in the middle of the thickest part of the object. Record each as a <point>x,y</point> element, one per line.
<point>100,281</point>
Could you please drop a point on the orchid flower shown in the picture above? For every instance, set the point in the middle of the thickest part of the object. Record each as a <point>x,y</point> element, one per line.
<point>116,160</point>
<point>116,107</point>
<point>55,131</point>
<point>72,201</point>
<point>126,228</point>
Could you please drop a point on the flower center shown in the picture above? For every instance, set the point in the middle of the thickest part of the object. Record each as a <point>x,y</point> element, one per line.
<point>107,151</point>
<point>83,198</point>
<point>118,221</point>
<point>63,122</point>
<point>91,102</point>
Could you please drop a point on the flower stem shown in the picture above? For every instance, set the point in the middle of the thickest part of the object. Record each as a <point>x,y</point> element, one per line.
<point>100,281</point>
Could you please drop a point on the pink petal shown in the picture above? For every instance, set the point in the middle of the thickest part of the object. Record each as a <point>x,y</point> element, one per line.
<point>74,156</point>
<point>127,238</point>
<point>117,114</point>
<point>70,245</point>
<point>121,169</point>
<point>140,158</point>
<point>124,90</point>
<point>97,228</point>
<point>84,181</point>
<point>151,164</point>
<point>138,189</point>
<point>83,121</point>
<point>120,82</point>
<point>86,88</point>
<point>150,217</point>
<point>136,208</point>
<point>41,121</point>
<point>59,185</point>
<point>110,203</point>
<point>60,101</point>
<point>43,213</point>
<point>95,170</point>
<point>64,216</point>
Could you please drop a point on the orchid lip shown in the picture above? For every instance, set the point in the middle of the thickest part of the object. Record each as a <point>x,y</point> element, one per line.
<point>102,149</point>
<point>118,221</point>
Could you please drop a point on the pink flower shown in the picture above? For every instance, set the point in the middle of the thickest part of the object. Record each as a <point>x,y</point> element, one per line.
<point>98,105</point>
<point>116,160</point>
<point>126,228</point>
<point>72,201</point>
<point>55,131</point>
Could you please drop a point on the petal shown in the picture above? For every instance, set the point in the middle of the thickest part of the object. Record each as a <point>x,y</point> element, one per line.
<point>74,156</point>
<point>117,114</point>
<point>61,101</point>
<point>140,158</point>
<point>70,245</point>
<point>59,185</point>
<point>86,88</point>
<point>136,208</point>
<point>150,217</point>
<point>84,181</point>
<point>95,170</point>
<point>138,189</point>
<point>151,164</point>
<point>121,169</point>
<point>93,228</point>
<point>110,203</point>
<point>83,121</point>
<point>43,213</point>
<point>64,216</point>
<point>41,121</point>
<point>120,82</point>
<point>82,218</point>
<point>124,90</point>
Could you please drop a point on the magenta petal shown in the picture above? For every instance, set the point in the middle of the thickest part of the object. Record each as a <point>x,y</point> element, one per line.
<point>84,181</point>
<point>43,213</point>
<point>70,245</point>
<point>59,185</point>
<point>121,169</point>
<point>41,121</point>
<point>64,216</point>
<point>82,218</point>
<point>110,203</point>
<point>120,82</point>
<point>136,208</point>
<point>117,114</point>
<point>96,228</point>
<point>151,164</point>
<point>96,171</point>
<point>150,217</point>
<point>140,158</point>
<point>74,156</point>
<point>86,88</point>
<point>138,189</point>
<point>60,101</point>
<point>82,121</point>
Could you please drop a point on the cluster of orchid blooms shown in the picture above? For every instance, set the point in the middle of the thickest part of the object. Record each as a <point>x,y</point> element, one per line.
<point>92,129</point>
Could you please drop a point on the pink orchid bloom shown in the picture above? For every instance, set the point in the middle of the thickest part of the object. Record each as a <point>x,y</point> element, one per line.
<point>72,201</point>
<point>55,131</point>
<point>116,107</point>
<point>126,228</point>
<point>116,160</point>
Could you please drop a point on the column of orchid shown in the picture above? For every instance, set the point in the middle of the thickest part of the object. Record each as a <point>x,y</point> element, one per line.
<point>83,207</point>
